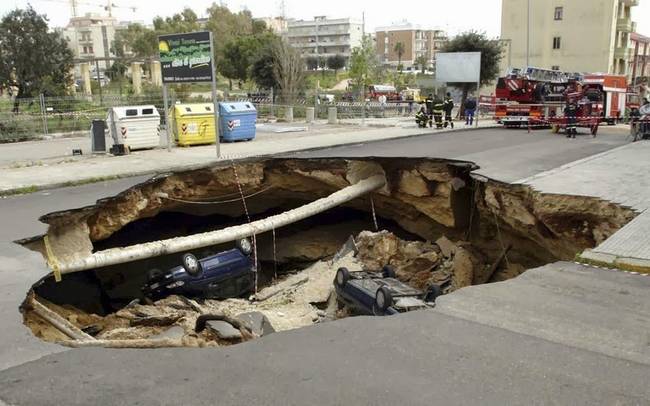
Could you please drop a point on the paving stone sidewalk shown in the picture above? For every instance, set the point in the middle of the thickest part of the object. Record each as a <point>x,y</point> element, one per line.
<point>621,175</point>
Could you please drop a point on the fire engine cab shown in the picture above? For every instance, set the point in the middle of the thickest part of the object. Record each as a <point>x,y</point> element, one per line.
<point>609,91</point>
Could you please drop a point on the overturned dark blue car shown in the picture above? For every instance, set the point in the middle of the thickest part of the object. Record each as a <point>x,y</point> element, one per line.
<point>221,276</point>
<point>380,293</point>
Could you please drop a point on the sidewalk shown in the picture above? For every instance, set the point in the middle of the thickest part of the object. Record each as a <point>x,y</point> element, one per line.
<point>47,174</point>
<point>621,176</point>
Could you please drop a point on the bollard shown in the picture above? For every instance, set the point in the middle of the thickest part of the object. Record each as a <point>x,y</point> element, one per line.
<point>288,114</point>
<point>331,115</point>
<point>309,114</point>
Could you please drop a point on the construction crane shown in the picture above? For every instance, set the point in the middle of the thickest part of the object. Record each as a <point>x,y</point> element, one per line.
<point>74,4</point>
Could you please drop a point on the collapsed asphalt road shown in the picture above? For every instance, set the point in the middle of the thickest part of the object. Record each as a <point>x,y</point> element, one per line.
<point>423,355</point>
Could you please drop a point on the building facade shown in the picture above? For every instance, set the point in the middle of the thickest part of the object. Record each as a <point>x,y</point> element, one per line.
<point>569,35</point>
<point>91,36</point>
<point>323,37</point>
<point>416,43</point>
<point>640,60</point>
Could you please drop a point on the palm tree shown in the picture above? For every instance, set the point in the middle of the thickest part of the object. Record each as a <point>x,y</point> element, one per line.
<point>399,48</point>
<point>422,62</point>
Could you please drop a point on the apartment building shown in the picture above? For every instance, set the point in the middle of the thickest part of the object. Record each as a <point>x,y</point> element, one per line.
<point>569,35</point>
<point>323,37</point>
<point>640,59</point>
<point>416,42</point>
<point>91,36</point>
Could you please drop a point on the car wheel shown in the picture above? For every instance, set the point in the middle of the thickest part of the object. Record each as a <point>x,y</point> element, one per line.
<point>191,264</point>
<point>342,276</point>
<point>433,293</point>
<point>383,299</point>
<point>245,246</point>
<point>388,271</point>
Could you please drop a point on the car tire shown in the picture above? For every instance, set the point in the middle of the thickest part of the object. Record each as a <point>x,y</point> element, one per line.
<point>342,276</point>
<point>383,299</point>
<point>191,264</point>
<point>433,293</point>
<point>245,246</point>
<point>388,271</point>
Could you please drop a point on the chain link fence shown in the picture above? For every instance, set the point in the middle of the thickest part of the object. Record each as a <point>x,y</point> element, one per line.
<point>42,117</point>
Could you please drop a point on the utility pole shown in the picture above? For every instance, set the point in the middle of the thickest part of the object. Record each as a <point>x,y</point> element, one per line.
<point>528,36</point>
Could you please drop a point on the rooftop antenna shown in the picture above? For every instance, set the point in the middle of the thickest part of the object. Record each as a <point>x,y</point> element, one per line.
<point>283,9</point>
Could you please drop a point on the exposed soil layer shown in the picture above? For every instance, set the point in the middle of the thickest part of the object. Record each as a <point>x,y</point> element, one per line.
<point>423,201</point>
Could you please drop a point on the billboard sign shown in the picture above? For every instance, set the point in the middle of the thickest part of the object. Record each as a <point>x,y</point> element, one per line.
<point>186,57</point>
<point>458,67</point>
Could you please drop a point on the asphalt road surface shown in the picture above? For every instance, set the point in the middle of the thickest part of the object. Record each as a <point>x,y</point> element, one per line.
<point>503,154</point>
<point>426,357</point>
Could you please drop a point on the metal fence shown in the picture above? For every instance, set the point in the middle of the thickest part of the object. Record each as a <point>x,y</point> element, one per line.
<point>39,117</point>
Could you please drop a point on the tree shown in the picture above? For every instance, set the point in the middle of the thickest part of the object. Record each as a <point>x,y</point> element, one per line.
<point>491,54</point>
<point>137,40</point>
<point>336,62</point>
<point>289,71</point>
<point>32,59</point>
<point>399,48</point>
<point>185,21</point>
<point>237,57</point>
<point>422,62</point>
<point>363,62</point>
<point>262,69</point>
<point>311,62</point>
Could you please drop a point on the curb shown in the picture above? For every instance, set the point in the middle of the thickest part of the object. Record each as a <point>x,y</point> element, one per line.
<point>610,261</point>
<point>28,189</point>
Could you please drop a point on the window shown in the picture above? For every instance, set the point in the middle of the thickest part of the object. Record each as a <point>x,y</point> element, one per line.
<point>559,13</point>
<point>555,67</point>
<point>147,111</point>
<point>132,112</point>
<point>557,42</point>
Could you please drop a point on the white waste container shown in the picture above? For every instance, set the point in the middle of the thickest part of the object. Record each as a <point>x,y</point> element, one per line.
<point>135,127</point>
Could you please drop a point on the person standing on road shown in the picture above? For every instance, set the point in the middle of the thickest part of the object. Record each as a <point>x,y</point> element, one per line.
<point>382,104</point>
<point>428,102</point>
<point>448,107</point>
<point>438,109</point>
<point>470,108</point>
<point>570,112</point>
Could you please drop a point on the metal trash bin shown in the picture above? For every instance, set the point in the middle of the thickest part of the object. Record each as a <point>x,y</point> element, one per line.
<point>135,127</point>
<point>237,121</point>
<point>194,124</point>
<point>98,136</point>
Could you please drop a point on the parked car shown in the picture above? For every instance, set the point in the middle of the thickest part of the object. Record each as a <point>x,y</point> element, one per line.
<point>380,293</point>
<point>224,275</point>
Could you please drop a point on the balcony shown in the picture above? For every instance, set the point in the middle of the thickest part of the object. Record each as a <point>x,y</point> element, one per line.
<point>622,53</point>
<point>624,24</point>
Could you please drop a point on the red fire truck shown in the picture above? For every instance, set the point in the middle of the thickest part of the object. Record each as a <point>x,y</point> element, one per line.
<point>527,97</point>
<point>533,96</point>
<point>608,93</point>
<point>374,91</point>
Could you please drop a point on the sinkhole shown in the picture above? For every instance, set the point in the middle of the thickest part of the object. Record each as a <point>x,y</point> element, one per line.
<point>432,221</point>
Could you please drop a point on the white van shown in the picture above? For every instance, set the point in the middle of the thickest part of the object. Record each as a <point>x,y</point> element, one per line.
<point>137,127</point>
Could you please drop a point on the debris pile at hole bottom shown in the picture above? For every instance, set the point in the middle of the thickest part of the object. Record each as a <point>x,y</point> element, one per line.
<point>301,299</point>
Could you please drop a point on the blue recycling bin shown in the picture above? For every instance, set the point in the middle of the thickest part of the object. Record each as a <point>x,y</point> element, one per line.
<point>237,121</point>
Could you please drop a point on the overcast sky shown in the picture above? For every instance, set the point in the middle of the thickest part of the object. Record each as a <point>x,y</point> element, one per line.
<point>453,15</point>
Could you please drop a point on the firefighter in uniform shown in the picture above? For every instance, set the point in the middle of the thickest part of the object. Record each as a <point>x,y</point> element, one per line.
<point>422,118</point>
<point>448,107</point>
<point>438,109</point>
<point>429,103</point>
<point>570,112</point>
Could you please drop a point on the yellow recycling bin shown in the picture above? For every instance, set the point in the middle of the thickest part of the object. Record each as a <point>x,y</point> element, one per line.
<point>194,124</point>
